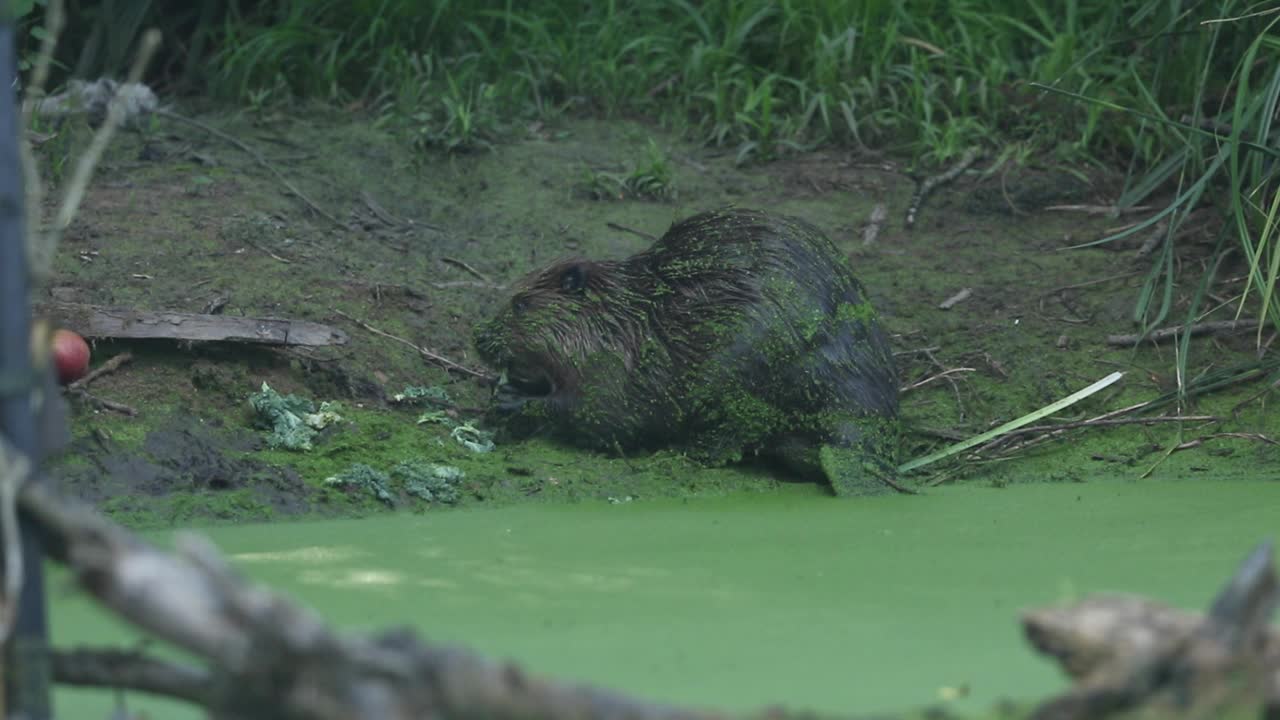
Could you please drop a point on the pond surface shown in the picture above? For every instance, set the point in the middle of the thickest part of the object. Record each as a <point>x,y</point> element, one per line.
<point>789,597</point>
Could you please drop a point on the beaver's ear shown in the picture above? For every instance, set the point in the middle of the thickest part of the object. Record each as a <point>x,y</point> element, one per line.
<point>573,280</point>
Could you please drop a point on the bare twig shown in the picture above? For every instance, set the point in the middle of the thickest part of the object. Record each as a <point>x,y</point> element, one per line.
<point>1058,427</point>
<point>14,469</point>
<point>464,266</point>
<point>267,252</point>
<point>1099,209</point>
<point>875,223</point>
<point>110,366</point>
<point>931,378</point>
<point>430,355</point>
<point>1157,234</point>
<point>271,658</point>
<point>39,246</point>
<point>130,670</point>
<point>105,404</point>
<point>1204,328</point>
<point>625,229</point>
<point>260,160</point>
<point>89,160</point>
<point>930,183</point>
<point>960,296</point>
<point>950,381</point>
<point>466,283</point>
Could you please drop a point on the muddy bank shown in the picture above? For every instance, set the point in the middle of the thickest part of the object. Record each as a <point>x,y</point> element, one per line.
<point>178,220</point>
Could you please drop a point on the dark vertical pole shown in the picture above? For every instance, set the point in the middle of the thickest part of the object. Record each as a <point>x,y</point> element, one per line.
<point>26,657</point>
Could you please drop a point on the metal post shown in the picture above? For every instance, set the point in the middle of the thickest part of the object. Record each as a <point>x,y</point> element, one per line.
<point>26,656</point>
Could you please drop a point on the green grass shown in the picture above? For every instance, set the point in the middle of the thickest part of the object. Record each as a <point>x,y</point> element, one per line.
<point>930,78</point>
<point>1114,84</point>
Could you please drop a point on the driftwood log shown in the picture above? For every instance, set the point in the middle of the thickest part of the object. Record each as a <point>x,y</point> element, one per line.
<point>97,321</point>
<point>1135,658</point>
<point>268,657</point>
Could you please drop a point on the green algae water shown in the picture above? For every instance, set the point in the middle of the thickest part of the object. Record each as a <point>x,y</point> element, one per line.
<point>793,597</point>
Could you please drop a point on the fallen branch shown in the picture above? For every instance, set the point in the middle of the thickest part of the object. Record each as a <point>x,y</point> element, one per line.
<point>271,658</point>
<point>875,222</point>
<point>1098,422</point>
<point>99,321</point>
<point>1099,209</point>
<point>1134,657</point>
<point>960,296</point>
<point>111,365</point>
<point>104,404</point>
<point>467,268</point>
<point>129,670</point>
<point>931,378</point>
<point>260,160</point>
<point>625,229</point>
<point>930,183</point>
<point>1204,328</point>
<point>430,355</point>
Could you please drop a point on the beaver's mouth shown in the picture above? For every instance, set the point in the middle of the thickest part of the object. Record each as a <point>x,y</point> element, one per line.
<point>529,382</point>
<point>518,385</point>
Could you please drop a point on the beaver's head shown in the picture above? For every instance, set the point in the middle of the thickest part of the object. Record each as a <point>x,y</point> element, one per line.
<point>558,319</point>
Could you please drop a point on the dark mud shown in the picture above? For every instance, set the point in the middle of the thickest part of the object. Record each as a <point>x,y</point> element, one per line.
<point>184,470</point>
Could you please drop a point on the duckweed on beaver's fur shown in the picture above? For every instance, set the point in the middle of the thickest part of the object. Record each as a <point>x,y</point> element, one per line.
<point>738,333</point>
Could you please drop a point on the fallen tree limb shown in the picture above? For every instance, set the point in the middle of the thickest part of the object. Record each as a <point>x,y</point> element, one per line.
<point>268,657</point>
<point>1131,654</point>
<point>98,321</point>
<point>930,183</point>
<point>271,658</point>
<point>110,366</point>
<point>128,670</point>
<point>1204,328</point>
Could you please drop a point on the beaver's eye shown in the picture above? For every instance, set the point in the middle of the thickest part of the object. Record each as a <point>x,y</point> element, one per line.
<point>573,280</point>
<point>519,305</point>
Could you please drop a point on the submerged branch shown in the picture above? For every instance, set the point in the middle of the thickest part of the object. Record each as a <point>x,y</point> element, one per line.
<point>269,657</point>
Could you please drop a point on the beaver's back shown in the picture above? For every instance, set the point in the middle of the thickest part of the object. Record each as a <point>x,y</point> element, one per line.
<point>768,302</point>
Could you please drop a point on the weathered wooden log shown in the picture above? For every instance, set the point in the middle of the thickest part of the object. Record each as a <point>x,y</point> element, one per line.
<point>98,321</point>
<point>1132,657</point>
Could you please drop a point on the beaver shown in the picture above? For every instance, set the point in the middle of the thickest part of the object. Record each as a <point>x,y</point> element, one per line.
<point>738,333</point>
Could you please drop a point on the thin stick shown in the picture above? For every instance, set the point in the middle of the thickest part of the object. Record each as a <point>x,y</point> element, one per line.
<point>258,158</point>
<point>109,366</point>
<point>931,378</point>
<point>1099,209</point>
<point>954,388</point>
<point>875,222</point>
<point>89,160</point>
<point>105,404</point>
<point>40,250</point>
<point>13,472</point>
<point>434,357</point>
<point>960,296</point>
<point>1203,328</point>
<point>930,183</point>
<point>623,228</point>
<point>1012,424</point>
<point>464,266</point>
<point>1089,283</point>
<point>1112,421</point>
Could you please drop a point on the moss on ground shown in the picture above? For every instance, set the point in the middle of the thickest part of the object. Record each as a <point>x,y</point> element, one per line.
<point>433,236</point>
